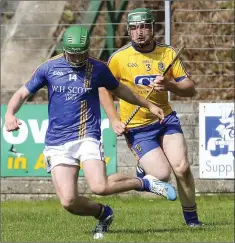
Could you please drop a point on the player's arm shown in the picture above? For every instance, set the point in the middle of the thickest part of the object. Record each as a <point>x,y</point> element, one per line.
<point>36,82</point>
<point>184,88</point>
<point>16,101</point>
<point>107,103</point>
<point>125,93</point>
<point>176,80</point>
<point>180,84</point>
<point>106,98</point>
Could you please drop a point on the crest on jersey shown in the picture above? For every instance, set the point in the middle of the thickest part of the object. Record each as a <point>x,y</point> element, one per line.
<point>161,66</point>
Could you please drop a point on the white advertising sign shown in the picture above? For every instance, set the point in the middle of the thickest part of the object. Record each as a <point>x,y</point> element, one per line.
<point>216,140</point>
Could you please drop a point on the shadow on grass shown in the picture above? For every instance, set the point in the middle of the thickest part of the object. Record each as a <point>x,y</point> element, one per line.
<point>181,229</point>
<point>142,231</point>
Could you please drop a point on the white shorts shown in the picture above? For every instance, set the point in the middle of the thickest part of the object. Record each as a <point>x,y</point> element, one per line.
<point>73,153</point>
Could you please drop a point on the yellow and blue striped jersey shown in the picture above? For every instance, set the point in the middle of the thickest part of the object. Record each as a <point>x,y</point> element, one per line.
<point>137,70</point>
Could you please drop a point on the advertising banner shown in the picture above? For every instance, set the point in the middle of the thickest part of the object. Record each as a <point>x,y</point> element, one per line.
<point>22,150</point>
<point>216,138</point>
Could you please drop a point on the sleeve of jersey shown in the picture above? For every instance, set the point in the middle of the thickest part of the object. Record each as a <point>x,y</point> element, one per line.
<point>37,80</point>
<point>106,79</point>
<point>179,72</point>
<point>114,66</point>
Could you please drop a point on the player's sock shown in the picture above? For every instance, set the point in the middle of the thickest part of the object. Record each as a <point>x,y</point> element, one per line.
<point>105,211</point>
<point>140,171</point>
<point>190,214</point>
<point>144,184</point>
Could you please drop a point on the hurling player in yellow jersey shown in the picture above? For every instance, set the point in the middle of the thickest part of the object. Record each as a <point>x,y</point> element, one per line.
<point>157,146</point>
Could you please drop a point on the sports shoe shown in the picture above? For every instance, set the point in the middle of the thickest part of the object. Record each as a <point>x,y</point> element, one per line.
<point>140,171</point>
<point>161,188</point>
<point>195,225</point>
<point>102,226</point>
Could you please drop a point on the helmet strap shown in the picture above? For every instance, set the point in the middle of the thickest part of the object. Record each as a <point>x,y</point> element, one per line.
<point>140,45</point>
<point>74,64</point>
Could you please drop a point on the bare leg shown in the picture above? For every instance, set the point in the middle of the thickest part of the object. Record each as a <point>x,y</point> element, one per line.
<point>156,164</point>
<point>65,178</point>
<point>99,183</point>
<point>175,149</point>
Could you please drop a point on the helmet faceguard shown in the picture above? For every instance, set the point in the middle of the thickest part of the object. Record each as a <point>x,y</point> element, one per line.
<point>141,21</point>
<point>76,44</point>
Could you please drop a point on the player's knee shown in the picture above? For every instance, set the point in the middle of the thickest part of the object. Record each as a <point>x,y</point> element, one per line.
<point>182,169</point>
<point>162,174</point>
<point>99,189</point>
<point>164,177</point>
<point>72,207</point>
<point>68,203</point>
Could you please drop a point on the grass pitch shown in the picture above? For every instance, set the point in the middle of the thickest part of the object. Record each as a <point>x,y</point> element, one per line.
<point>136,220</point>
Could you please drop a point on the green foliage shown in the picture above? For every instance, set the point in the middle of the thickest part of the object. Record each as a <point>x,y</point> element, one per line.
<point>68,16</point>
<point>227,4</point>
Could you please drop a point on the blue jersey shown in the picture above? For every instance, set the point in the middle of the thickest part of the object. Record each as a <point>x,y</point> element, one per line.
<point>74,106</point>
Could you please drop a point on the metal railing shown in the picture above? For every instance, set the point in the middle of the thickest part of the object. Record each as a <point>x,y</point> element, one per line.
<point>207,30</point>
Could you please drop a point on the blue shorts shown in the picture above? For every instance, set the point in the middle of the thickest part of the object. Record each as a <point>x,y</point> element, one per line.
<point>141,140</point>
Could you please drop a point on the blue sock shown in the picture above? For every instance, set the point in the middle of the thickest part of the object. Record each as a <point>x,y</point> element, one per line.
<point>144,184</point>
<point>190,214</point>
<point>105,211</point>
<point>140,171</point>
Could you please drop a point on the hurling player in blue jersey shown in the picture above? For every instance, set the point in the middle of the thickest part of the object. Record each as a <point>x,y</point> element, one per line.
<point>73,136</point>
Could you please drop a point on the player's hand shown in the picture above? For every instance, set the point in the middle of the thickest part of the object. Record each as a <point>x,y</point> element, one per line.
<point>118,127</point>
<point>159,83</point>
<point>157,111</point>
<point>12,123</point>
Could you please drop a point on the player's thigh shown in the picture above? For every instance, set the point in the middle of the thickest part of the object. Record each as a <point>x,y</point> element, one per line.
<point>175,149</point>
<point>155,163</point>
<point>65,178</point>
<point>93,163</point>
<point>148,152</point>
<point>95,174</point>
<point>64,170</point>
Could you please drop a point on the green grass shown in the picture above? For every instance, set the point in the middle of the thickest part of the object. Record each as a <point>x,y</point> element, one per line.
<point>136,220</point>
